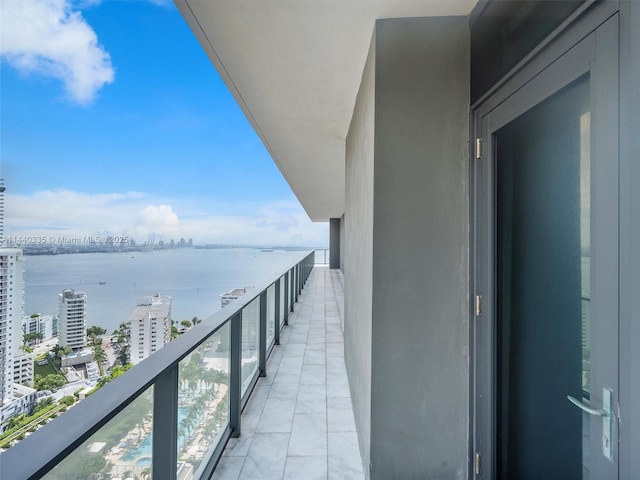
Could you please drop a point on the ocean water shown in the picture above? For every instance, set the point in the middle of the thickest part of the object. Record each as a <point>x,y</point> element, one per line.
<point>194,278</point>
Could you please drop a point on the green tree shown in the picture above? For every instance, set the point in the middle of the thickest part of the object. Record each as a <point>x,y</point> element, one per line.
<point>52,380</point>
<point>32,338</point>
<point>99,355</point>
<point>185,323</point>
<point>185,427</point>
<point>145,474</point>
<point>94,334</point>
<point>123,357</point>
<point>97,331</point>
<point>68,400</point>
<point>80,466</point>
<point>44,403</point>
<point>122,333</point>
<point>61,352</point>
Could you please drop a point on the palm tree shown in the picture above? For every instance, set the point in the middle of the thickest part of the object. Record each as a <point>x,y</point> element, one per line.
<point>99,354</point>
<point>145,474</point>
<point>184,430</point>
<point>103,381</point>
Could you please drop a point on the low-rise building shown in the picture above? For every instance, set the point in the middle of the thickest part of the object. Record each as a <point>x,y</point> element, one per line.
<point>23,368</point>
<point>47,325</point>
<point>77,358</point>
<point>23,401</point>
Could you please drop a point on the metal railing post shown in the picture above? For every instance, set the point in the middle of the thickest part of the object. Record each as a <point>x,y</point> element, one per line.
<point>165,425</point>
<point>292,288</point>
<point>286,298</point>
<point>235,377</point>
<point>262,348</point>
<point>276,333</point>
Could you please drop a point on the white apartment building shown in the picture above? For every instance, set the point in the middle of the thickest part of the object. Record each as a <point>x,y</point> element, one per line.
<point>72,318</point>
<point>231,295</point>
<point>47,325</point>
<point>22,400</point>
<point>23,368</point>
<point>11,306</point>
<point>150,326</point>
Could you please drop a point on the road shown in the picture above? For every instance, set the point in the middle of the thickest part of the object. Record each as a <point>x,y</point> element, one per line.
<point>69,389</point>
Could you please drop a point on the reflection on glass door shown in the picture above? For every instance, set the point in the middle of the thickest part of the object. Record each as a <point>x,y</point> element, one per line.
<point>543,288</point>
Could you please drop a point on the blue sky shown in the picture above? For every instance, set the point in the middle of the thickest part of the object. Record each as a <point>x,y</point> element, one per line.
<point>113,120</point>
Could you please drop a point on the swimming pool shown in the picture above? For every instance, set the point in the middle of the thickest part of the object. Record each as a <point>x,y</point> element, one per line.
<point>145,448</point>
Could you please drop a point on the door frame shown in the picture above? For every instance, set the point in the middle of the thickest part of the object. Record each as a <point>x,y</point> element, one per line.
<point>547,71</point>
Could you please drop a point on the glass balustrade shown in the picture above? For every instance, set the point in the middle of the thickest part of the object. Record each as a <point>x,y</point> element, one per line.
<point>184,401</point>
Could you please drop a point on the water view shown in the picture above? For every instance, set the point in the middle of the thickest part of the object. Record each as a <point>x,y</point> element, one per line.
<point>194,278</point>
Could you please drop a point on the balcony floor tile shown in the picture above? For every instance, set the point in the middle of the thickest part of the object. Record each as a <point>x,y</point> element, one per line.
<point>307,468</point>
<point>298,424</point>
<point>229,469</point>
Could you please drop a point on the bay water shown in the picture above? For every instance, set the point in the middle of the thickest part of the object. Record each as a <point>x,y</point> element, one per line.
<point>193,278</point>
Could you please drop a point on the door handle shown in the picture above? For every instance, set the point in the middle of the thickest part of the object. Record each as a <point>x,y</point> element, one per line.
<point>607,419</point>
<point>598,412</point>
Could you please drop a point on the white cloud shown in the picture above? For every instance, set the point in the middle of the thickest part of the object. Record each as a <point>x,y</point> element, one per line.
<point>68,213</point>
<point>159,218</point>
<point>47,37</point>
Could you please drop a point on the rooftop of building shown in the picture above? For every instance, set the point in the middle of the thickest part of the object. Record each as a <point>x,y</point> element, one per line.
<point>236,292</point>
<point>153,306</point>
<point>71,294</point>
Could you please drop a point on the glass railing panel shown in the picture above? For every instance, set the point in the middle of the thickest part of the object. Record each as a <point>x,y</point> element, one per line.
<point>282,301</point>
<point>271,314</point>
<point>321,256</point>
<point>120,449</point>
<point>250,342</point>
<point>203,401</point>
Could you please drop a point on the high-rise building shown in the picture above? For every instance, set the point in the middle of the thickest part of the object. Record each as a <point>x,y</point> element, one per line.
<point>150,325</point>
<point>11,306</point>
<point>16,365</point>
<point>72,318</point>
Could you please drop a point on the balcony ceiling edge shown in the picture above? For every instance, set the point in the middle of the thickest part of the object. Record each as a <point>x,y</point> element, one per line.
<point>294,67</point>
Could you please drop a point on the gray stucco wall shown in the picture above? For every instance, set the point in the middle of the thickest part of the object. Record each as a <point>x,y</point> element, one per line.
<point>358,253</point>
<point>419,353</point>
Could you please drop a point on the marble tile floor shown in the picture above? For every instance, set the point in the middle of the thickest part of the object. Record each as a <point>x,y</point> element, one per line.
<point>298,423</point>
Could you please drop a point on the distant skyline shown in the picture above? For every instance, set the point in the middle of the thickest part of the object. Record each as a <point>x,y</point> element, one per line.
<point>114,121</point>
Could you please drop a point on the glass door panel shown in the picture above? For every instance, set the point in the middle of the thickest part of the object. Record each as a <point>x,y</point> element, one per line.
<point>542,307</point>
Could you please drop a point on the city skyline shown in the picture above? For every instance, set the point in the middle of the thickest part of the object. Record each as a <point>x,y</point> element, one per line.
<point>115,122</point>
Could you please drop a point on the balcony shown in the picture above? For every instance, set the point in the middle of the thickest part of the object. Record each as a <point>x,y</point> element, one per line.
<point>264,377</point>
<point>299,421</point>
